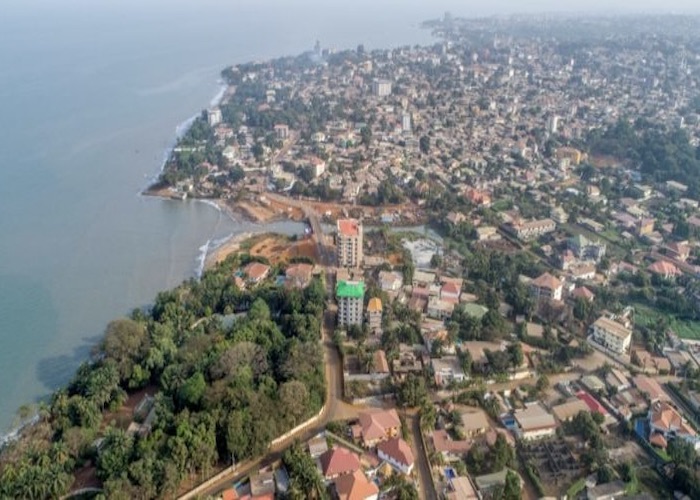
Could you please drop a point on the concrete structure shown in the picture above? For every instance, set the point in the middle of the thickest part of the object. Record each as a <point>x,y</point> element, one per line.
<point>214,117</point>
<point>446,370</point>
<point>475,423</point>
<point>355,486</point>
<point>666,421</point>
<point>532,229</point>
<point>546,287</point>
<point>337,462</point>
<point>376,426</point>
<point>350,296</point>
<point>381,88</point>
<point>374,315</point>
<point>611,335</point>
<point>534,422</point>
<point>461,488</point>
<point>349,243</point>
<point>398,453</point>
<point>586,249</point>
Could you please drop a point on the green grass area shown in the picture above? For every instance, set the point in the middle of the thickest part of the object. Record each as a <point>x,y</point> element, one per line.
<point>576,488</point>
<point>662,455</point>
<point>647,316</point>
<point>651,482</point>
<point>502,205</point>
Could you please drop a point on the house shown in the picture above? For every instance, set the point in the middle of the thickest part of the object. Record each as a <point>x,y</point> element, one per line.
<point>665,420</point>
<point>450,449</point>
<point>567,411</point>
<point>263,483</point>
<point>299,275</point>
<point>546,287</point>
<point>407,362</point>
<point>318,446</point>
<point>398,453</point>
<point>664,269</point>
<point>581,292</point>
<point>450,292</point>
<point>586,249</point>
<point>474,423</point>
<point>650,387</point>
<point>423,278</point>
<point>534,422</point>
<point>376,426</point>
<point>390,281</point>
<point>440,309</point>
<point>338,461</point>
<point>678,250</point>
<point>618,380</point>
<point>611,335</point>
<point>532,229</point>
<point>355,486</point>
<point>256,272</point>
<point>374,314</point>
<point>446,370</point>
<point>583,271</point>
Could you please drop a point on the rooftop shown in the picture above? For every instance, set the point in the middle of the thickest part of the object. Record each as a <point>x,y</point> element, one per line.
<point>349,227</point>
<point>350,289</point>
<point>612,327</point>
<point>534,417</point>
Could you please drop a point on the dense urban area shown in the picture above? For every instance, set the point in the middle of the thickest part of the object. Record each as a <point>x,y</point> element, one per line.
<point>497,295</point>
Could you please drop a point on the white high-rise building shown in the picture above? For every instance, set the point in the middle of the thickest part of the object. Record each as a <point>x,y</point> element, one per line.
<point>349,243</point>
<point>406,122</point>
<point>214,117</point>
<point>381,88</point>
<point>553,124</point>
<point>351,298</point>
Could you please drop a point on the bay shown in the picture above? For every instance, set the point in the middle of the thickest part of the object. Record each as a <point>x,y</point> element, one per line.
<point>90,97</point>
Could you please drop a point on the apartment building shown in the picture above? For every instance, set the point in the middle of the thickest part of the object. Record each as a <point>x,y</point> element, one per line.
<point>349,243</point>
<point>350,296</point>
<point>611,335</point>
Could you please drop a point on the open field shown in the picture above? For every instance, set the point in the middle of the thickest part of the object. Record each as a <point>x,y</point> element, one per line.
<point>646,316</point>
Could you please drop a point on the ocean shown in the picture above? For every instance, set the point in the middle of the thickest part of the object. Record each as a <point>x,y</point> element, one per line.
<point>91,97</point>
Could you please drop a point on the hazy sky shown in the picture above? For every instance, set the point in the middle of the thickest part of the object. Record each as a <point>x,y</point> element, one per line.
<point>423,7</point>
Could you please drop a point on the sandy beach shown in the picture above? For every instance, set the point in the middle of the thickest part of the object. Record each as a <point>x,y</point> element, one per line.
<point>230,246</point>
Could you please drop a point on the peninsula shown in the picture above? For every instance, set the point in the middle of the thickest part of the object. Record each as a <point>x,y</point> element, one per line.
<point>537,337</point>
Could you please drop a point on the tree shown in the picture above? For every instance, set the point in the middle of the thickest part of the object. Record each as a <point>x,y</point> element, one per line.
<point>511,490</point>
<point>412,391</point>
<point>114,454</point>
<point>681,452</point>
<point>305,479</point>
<point>294,398</point>
<point>193,389</point>
<point>124,342</point>
<point>424,144</point>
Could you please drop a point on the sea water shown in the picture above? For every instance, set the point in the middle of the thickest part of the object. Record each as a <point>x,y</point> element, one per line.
<point>91,96</point>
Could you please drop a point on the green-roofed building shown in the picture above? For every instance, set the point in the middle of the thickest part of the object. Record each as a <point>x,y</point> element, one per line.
<point>351,299</point>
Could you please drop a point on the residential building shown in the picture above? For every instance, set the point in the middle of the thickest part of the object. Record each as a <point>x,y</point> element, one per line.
<point>611,335</point>
<point>664,269</point>
<point>350,296</point>
<point>666,421</point>
<point>450,449</point>
<point>398,453</point>
<point>650,388</point>
<point>281,131</point>
<point>606,491</point>
<point>534,422</point>
<point>546,287</point>
<point>376,426</point>
<point>299,275</point>
<point>381,88</point>
<point>586,249</point>
<point>532,229</point>
<point>349,243</point>
<point>338,461</point>
<point>447,369</point>
<point>461,488</point>
<point>256,272</point>
<point>390,281</point>
<point>374,315</point>
<point>355,486</point>
<point>567,411</point>
<point>214,117</point>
